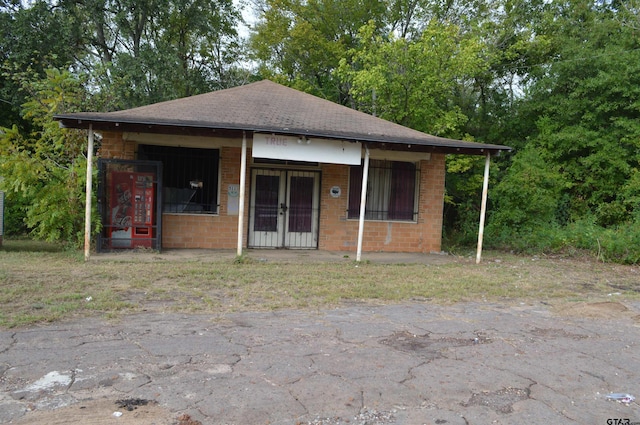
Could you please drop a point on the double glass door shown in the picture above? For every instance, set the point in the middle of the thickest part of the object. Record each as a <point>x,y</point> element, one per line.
<point>284,209</point>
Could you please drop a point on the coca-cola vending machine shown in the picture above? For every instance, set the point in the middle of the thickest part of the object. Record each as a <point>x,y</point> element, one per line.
<point>132,210</point>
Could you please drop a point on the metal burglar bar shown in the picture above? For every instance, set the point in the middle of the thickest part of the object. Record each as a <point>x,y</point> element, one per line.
<point>129,200</point>
<point>300,204</point>
<point>284,209</point>
<point>301,210</point>
<point>391,191</point>
<point>266,217</point>
<point>190,177</point>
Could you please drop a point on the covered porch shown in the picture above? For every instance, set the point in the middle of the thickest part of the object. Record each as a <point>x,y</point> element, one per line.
<point>262,132</point>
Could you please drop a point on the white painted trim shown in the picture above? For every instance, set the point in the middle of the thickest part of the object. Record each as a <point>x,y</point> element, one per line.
<point>363,202</point>
<point>243,179</point>
<point>218,142</point>
<point>181,141</point>
<point>483,208</point>
<point>89,190</point>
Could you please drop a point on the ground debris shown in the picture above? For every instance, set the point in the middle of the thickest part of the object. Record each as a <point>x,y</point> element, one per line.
<point>621,398</point>
<point>186,420</point>
<point>365,417</point>
<point>501,401</point>
<point>131,403</point>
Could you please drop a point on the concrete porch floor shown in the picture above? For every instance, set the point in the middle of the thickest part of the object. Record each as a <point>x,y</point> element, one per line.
<point>279,255</point>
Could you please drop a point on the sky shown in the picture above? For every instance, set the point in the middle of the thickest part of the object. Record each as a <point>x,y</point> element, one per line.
<point>247,14</point>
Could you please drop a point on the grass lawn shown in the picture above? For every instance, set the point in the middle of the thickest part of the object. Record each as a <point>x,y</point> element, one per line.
<point>41,283</point>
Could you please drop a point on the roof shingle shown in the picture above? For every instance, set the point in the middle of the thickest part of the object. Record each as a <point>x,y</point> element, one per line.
<point>270,107</point>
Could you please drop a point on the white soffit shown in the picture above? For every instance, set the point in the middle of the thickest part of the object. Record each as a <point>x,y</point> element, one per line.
<point>181,140</point>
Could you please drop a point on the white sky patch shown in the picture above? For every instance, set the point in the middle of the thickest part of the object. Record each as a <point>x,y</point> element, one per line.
<point>248,15</point>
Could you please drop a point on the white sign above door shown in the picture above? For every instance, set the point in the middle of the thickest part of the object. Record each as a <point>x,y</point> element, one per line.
<point>302,148</point>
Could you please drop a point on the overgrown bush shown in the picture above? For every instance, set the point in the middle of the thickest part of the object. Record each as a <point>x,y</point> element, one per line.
<point>529,194</point>
<point>14,211</point>
<point>43,169</point>
<point>620,244</point>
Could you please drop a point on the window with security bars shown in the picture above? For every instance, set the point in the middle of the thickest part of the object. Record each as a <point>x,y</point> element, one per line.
<point>391,191</point>
<point>189,176</point>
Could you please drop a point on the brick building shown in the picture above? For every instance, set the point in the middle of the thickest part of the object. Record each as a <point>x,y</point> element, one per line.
<point>266,166</point>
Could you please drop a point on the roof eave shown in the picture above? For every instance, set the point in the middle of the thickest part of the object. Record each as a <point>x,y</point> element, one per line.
<point>437,145</point>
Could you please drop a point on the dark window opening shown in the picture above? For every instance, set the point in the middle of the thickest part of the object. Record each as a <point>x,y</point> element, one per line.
<point>391,191</point>
<point>190,177</point>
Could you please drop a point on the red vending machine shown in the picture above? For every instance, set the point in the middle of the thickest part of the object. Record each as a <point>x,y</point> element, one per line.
<point>132,207</point>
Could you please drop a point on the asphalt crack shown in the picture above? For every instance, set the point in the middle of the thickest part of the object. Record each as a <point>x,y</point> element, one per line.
<point>559,412</point>
<point>13,341</point>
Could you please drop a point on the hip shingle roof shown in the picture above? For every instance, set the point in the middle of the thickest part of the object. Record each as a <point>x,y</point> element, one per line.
<point>266,106</point>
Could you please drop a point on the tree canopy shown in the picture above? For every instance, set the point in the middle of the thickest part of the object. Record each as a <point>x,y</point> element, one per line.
<point>558,81</point>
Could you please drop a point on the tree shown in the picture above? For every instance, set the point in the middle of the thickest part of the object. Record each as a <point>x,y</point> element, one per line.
<point>300,43</point>
<point>141,52</point>
<point>529,195</point>
<point>587,108</point>
<point>131,52</point>
<point>413,82</point>
<point>44,170</point>
<point>33,38</point>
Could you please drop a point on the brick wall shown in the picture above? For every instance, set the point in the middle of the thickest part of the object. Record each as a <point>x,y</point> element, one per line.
<point>339,234</point>
<point>336,232</point>
<point>113,146</point>
<point>192,230</point>
<point>207,231</point>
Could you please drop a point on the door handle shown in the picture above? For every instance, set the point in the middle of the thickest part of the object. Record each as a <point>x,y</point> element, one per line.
<point>283,207</point>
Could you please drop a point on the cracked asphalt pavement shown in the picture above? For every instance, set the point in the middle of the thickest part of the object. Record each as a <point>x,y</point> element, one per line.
<point>470,363</point>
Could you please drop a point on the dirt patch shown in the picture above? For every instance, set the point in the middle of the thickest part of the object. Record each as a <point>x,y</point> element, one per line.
<point>186,420</point>
<point>598,310</point>
<point>556,333</point>
<point>501,401</point>
<point>425,346</point>
<point>102,411</point>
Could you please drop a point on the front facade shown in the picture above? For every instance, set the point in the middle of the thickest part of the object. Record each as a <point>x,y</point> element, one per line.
<point>266,166</point>
<point>290,204</point>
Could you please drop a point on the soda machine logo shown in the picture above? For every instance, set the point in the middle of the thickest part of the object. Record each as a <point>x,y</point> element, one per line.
<point>121,213</point>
